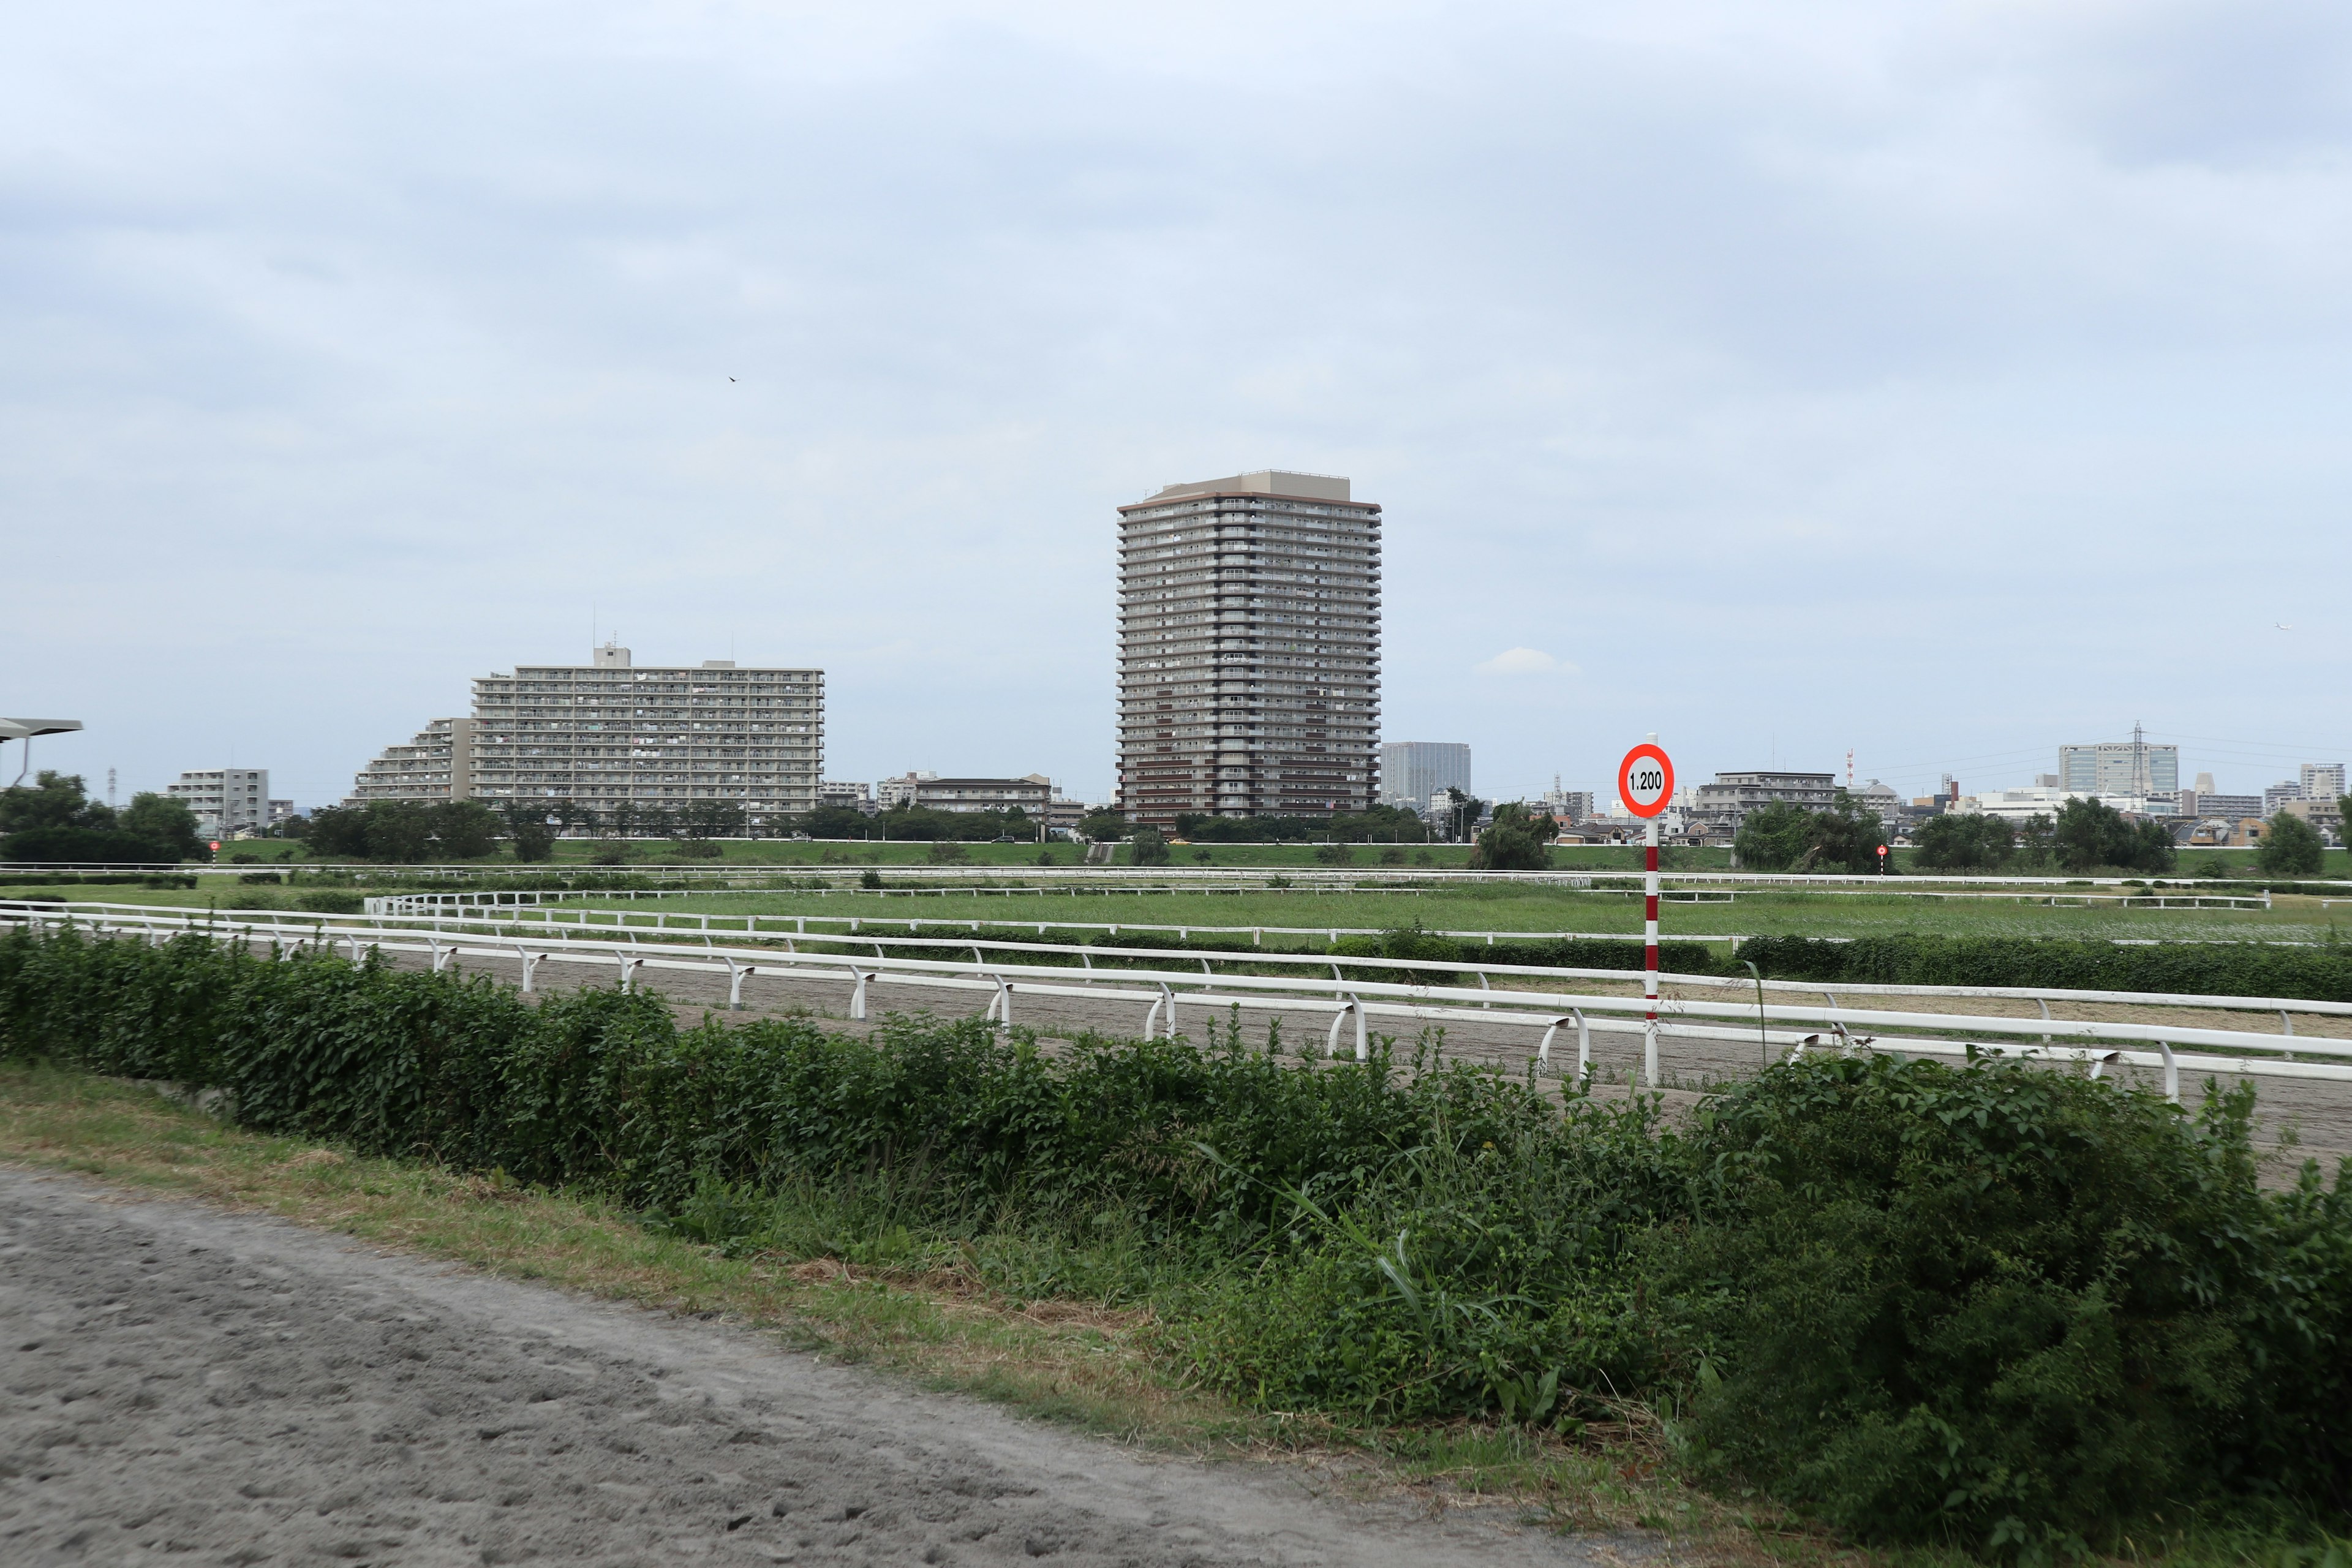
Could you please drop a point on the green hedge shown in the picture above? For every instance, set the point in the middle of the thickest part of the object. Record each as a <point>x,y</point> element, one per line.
<point>2204,968</point>
<point>1998,1307</point>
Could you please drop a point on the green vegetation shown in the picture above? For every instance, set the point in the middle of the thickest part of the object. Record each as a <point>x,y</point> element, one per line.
<point>2292,848</point>
<point>2005,1310</point>
<point>2090,835</point>
<point>1784,836</point>
<point>1970,842</point>
<point>1518,840</point>
<point>55,820</point>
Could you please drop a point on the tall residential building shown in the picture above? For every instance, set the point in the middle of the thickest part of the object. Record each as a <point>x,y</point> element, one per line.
<point>2279,793</point>
<point>2323,780</point>
<point>225,801</point>
<point>436,764</point>
<point>1249,649</point>
<point>1412,771</point>
<point>2130,767</point>
<point>606,733</point>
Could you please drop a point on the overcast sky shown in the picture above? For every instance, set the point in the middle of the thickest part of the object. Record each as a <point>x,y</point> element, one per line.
<point>1939,382</point>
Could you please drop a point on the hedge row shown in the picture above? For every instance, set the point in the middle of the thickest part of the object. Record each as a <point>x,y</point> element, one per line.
<point>2201,968</point>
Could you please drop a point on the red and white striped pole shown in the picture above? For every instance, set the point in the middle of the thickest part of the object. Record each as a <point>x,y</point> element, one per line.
<point>1650,952</point>
<point>1645,782</point>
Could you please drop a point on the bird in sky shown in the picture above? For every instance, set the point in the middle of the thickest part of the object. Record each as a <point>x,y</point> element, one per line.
<point>730,378</point>
<point>2282,625</point>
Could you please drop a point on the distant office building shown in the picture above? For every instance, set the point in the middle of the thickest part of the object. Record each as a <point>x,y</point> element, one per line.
<point>1249,649</point>
<point>225,801</point>
<point>1724,804</point>
<point>2323,780</point>
<point>607,735</point>
<point>2130,767</point>
<point>2279,793</point>
<point>1032,792</point>
<point>1414,773</point>
<point>2205,783</point>
<point>1882,802</point>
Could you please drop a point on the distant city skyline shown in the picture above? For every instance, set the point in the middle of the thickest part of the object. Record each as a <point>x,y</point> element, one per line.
<point>1803,413</point>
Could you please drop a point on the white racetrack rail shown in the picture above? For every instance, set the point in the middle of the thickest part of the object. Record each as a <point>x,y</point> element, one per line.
<point>2101,1043</point>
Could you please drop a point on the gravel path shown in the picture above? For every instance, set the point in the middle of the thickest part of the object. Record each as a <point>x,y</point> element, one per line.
<point>196,1386</point>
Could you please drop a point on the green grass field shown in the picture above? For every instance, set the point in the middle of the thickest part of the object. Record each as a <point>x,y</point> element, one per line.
<point>782,852</point>
<point>1458,907</point>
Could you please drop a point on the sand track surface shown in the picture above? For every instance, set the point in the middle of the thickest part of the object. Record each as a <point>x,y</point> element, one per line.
<point>190,1386</point>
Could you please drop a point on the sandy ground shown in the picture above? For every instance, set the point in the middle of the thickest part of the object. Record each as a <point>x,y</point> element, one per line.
<point>2295,1118</point>
<point>196,1386</point>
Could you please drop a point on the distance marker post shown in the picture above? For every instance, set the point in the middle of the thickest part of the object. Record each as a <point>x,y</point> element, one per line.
<point>1645,784</point>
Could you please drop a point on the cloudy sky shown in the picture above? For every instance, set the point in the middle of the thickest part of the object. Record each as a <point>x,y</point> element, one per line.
<point>1942,382</point>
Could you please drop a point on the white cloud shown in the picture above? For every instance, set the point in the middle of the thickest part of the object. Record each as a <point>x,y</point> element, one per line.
<point>1525,662</point>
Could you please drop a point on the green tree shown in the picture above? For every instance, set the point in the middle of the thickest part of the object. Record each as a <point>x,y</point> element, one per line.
<point>1845,837</point>
<point>529,833</point>
<point>1334,854</point>
<point>1772,835</point>
<point>2090,834</point>
<point>54,800</point>
<point>1102,827</point>
<point>711,819</point>
<point>165,820</point>
<point>837,822</point>
<point>463,829</point>
<point>398,831</point>
<point>1518,840</point>
<point>338,833</point>
<point>2037,840</point>
<point>2291,848</point>
<point>1966,842</point>
<point>1147,847</point>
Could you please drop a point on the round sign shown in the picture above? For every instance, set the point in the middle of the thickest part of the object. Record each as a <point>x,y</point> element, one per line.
<point>1646,780</point>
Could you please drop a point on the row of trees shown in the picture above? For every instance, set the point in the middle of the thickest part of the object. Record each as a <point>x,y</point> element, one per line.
<point>55,819</point>
<point>2090,836</point>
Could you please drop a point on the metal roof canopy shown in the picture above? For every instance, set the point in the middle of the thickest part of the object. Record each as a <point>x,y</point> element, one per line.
<point>26,729</point>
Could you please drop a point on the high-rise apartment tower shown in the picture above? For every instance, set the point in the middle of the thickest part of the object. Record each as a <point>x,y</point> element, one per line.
<point>1249,649</point>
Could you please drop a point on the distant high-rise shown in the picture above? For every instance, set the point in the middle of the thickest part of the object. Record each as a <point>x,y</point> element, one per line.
<point>607,736</point>
<point>2323,780</point>
<point>1411,771</point>
<point>2130,767</point>
<point>1249,649</point>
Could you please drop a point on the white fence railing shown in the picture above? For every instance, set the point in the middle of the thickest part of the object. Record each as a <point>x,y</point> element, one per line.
<point>1772,1024</point>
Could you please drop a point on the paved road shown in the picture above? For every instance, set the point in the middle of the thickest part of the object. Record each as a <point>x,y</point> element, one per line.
<point>200,1387</point>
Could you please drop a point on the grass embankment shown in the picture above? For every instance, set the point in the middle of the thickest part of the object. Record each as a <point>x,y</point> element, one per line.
<point>2001,1310</point>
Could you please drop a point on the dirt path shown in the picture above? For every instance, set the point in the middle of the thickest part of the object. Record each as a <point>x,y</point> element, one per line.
<point>207,1387</point>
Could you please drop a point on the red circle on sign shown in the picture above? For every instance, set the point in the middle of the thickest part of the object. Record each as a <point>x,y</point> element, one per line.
<point>1660,778</point>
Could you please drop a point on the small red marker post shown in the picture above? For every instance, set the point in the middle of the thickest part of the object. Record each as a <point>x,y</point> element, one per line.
<point>1645,784</point>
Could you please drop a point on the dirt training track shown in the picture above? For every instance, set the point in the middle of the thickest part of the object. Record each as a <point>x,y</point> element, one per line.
<point>194,1386</point>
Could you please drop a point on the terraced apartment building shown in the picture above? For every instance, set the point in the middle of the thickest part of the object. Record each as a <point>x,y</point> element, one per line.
<point>1249,649</point>
<point>607,733</point>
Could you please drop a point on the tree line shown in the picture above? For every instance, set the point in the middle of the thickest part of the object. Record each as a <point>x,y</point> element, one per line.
<point>55,819</point>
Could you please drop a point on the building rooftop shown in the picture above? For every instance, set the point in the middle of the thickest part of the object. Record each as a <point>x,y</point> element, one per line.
<point>1266,482</point>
